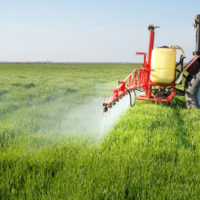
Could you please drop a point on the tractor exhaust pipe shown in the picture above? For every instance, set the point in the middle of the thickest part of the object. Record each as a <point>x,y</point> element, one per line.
<point>197,26</point>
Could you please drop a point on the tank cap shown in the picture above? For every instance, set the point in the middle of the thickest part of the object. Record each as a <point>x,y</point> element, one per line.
<point>163,47</point>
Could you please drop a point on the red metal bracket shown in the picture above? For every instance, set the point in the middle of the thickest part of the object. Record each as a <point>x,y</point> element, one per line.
<point>142,53</point>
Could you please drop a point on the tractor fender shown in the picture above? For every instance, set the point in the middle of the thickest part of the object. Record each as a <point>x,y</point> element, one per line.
<point>193,66</point>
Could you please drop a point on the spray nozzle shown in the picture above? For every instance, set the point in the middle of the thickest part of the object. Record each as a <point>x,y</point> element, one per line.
<point>105,108</point>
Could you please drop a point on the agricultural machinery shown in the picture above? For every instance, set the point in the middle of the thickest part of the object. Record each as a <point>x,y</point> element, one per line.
<point>160,74</point>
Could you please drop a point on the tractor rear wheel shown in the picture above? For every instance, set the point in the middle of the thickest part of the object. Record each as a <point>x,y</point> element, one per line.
<point>192,90</point>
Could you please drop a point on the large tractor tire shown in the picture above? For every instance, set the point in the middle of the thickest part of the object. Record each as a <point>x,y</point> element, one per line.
<point>192,90</point>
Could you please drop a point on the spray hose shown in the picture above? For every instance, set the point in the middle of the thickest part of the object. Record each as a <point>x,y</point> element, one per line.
<point>179,76</point>
<point>179,48</point>
<point>132,103</point>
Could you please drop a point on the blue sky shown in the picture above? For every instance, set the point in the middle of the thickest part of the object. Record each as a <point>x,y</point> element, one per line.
<point>91,30</point>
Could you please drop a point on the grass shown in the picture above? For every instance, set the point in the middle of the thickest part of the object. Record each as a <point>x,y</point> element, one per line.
<point>153,152</point>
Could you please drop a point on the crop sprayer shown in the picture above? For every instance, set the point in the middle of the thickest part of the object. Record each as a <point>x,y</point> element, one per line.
<point>160,74</point>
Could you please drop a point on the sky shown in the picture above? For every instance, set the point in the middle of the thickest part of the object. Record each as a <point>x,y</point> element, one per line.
<point>92,30</point>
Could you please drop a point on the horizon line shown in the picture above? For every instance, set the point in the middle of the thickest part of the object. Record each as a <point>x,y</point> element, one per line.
<point>55,62</point>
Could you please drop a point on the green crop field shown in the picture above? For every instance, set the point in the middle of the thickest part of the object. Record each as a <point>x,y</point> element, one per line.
<point>52,146</point>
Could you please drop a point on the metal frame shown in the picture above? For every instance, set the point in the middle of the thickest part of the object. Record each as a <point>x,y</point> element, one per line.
<point>139,79</point>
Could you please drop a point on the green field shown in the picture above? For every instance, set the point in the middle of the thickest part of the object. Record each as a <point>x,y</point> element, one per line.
<point>52,146</point>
